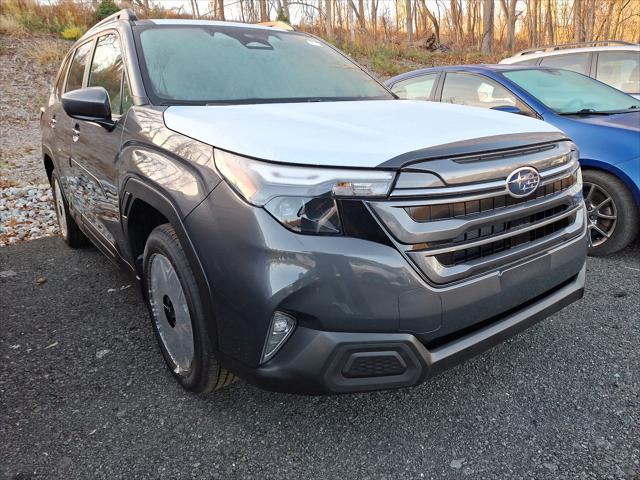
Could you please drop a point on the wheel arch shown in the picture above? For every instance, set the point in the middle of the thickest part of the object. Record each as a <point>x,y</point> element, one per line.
<point>613,170</point>
<point>139,200</point>
<point>47,161</point>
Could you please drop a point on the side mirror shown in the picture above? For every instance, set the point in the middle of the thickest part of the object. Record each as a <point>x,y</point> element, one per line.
<point>90,104</point>
<point>507,109</point>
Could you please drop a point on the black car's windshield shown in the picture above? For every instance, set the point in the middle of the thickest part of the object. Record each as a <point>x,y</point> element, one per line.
<point>567,92</point>
<point>206,63</point>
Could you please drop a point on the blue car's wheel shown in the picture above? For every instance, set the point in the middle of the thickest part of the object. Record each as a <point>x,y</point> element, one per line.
<point>612,215</point>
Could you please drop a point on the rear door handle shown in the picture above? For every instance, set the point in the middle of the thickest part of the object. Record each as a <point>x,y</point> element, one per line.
<point>76,133</point>
<point>53,121</point>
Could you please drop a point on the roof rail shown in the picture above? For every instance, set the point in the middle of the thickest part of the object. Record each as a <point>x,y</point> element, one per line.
<point>595,43</point>
<point>124,14</point>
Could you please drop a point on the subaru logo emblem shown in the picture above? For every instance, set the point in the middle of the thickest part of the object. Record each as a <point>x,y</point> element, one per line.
<point>523,181</point>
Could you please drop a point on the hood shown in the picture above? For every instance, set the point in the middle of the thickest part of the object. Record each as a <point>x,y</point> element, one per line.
<point>611,139</point>
<point>346,134</point>
<point>627,121</point>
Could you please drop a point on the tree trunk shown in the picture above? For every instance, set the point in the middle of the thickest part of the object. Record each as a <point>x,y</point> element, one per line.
<point>374,15</point>
<point>409,21</point>
<point>328,18</point>
<point>434,21</point>
<point>487,26</point>
<point>361,20</point>
<point>264,11</point>
<point>578,32</point>
<point>509,10</point>
<point>549,25</point>
<point>361,17</point>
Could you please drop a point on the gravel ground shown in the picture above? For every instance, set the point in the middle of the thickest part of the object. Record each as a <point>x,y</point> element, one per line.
<point>84,394</point>
<point>27,68</point>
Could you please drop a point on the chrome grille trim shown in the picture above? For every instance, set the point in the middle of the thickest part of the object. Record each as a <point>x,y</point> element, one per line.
<point>455,173</point>
<point>494,238</point>
<point>441,275</point>
<point>497,187</point>
<point>409,232</point>
<point>458,240</point>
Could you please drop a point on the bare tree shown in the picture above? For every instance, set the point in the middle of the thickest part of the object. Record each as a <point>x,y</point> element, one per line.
<point>549,24</point>
<point>509,10</point>
<point>487,25</point>
<point>357,12</point>
<point>408,21</point>
<point>328,17</point>
<point>264,11</point>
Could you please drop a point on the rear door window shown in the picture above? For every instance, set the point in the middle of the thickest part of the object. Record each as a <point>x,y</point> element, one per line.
<point>621,70</point>
<point>79,63</point>
<point>416,88</point>
<point>107,70</point>
<point>577,62</point>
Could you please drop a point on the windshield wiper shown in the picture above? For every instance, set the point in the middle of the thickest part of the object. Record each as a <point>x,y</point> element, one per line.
<point>586,111</point>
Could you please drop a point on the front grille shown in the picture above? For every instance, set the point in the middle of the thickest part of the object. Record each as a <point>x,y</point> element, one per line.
<point>459,228</point>
<point>428,213</point>
<point>465,255</point>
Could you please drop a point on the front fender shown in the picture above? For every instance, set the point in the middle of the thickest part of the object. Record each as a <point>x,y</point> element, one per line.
<point>628,172</point>
<point>137,190</point>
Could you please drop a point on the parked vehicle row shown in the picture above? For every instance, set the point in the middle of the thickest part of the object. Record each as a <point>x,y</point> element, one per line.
<point>602,121</point>
<point>311,232</point>
<point>612,62</point>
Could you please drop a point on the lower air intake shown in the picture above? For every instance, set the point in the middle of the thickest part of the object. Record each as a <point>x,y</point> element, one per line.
<point>374,364</point>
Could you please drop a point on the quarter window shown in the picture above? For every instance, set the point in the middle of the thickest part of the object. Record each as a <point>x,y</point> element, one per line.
<point>416,88</point>
<point>479,91</point>
<point>76,72</point>
<point>62,75</point>
<point>620,70</point>
<point>576,62</point>
<point>107,70</point>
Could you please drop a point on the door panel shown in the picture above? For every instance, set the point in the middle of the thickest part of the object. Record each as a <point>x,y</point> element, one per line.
<point>95,150</point>
<point>63,123</point>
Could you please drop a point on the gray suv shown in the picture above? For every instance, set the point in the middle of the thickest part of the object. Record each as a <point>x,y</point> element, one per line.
<point>291,221</point>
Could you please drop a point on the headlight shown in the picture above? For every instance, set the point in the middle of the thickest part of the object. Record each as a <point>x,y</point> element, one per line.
<point>301,198</point>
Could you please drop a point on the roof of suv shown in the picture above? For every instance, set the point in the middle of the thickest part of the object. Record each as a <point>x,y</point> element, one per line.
<point>571,48</point>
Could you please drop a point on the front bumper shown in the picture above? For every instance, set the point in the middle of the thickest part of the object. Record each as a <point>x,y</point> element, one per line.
<point>319,362</point>
<point>353,297</point>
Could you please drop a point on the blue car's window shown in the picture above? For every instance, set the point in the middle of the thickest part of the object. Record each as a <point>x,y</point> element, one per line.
<point>416,88</point>
<point>479,91</point>
<point>221,64</point>
<point>568,92</point>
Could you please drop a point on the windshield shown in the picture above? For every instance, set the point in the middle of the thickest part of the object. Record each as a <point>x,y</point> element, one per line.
<point>204,64</point>
<point>567,92</point>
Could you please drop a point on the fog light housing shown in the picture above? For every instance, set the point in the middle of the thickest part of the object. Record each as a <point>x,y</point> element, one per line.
<point>282,326</point>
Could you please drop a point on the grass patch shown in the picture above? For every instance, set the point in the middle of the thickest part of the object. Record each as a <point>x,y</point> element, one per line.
<point>48,54</point>
<point>10,25</point>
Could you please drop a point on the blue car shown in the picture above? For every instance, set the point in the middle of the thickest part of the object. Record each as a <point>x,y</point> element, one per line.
<point>602,121</point>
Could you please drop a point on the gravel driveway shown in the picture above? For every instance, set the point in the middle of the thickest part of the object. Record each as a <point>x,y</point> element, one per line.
<point>84,394</point>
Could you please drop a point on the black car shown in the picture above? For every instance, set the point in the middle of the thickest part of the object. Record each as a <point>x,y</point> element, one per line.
<point>280,232</point>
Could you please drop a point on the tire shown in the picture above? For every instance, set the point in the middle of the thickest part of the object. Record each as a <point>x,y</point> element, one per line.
<point>612,214</point>
<point>69,229</point>
<point>177,315</point>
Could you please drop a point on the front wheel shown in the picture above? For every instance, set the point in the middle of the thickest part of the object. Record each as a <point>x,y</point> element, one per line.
<point>612,215</point>
<point>177,315</point>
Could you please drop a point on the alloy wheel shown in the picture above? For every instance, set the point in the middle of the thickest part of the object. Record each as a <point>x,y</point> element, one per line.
<point>602,213</point>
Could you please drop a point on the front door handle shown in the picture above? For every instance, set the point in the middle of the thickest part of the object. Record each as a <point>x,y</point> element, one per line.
<point>53,121</point>
<point>76,133</point>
